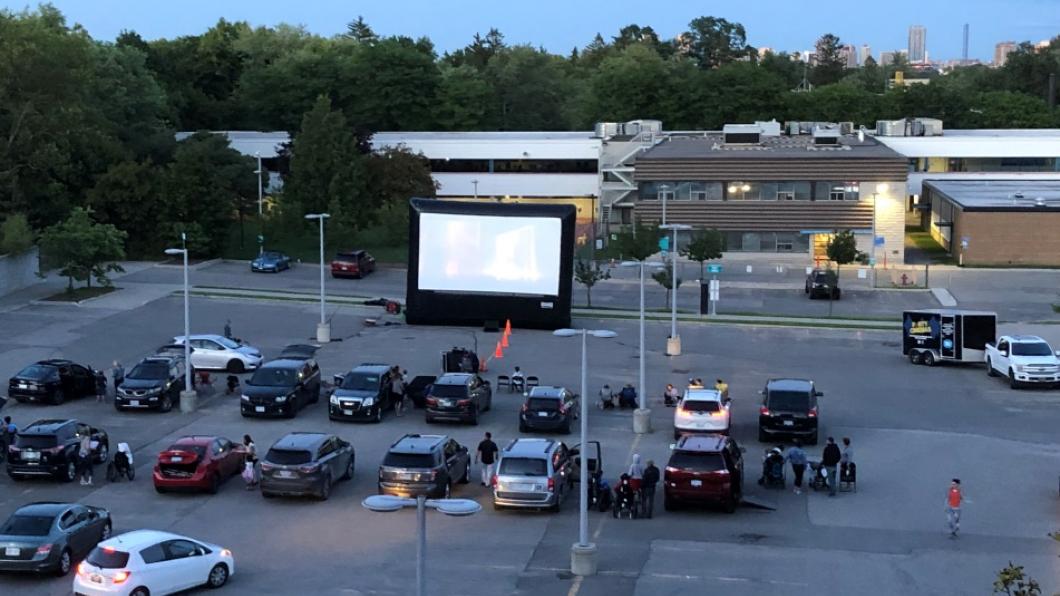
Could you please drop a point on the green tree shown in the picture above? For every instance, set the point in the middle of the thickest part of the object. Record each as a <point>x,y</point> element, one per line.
<point>531,87</point>
<point>396,175</point>
<point>630,84</point>
<point>1008,109</point>
<point>665,277</point>
<point>705,245</point>
<point>391,84</point>
<point>1013,581</point>
<point>842,249</point>
<point>15,235</point>
<point>638,243</point>
<point>712,41</point>
<point>82,249</point>
<point>830,63</point>
<point>127,195</point>
<point>359,31</point>
<point>589,274</point>
<point>478,53</point>
<point>464,98</point>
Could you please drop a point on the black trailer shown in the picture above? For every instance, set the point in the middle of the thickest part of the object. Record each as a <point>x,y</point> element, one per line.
<point>936,335</point>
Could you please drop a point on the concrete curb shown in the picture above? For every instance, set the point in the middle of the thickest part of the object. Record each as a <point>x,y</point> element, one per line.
<point>944,297</point>
<point>43,302</point>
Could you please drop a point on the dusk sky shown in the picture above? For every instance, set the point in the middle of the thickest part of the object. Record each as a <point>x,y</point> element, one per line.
<point>789,25</point>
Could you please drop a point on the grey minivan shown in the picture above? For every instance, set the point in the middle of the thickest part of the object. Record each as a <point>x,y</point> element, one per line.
<point>306,464</point>
<point>535,474</point>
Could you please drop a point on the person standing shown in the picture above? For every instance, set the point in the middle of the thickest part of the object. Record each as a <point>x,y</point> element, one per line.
<point>830,462</point>
<point>487,454</point>
<point>397,390</point>
<point>723,389</point>
<point>846,462</point>
<point>953,507</point>
<point>228,328</point>
<point>636,473</point>
<point>648,482</point>
<point>797,458</point>
<point>250,463</point>
<point>7,436</point>
<point>84,457</point>
<point>117,374</point>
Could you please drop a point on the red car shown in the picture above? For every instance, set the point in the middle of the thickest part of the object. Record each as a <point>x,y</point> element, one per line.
<point>704,469</point>
<point>352,263</point>
<point>199,462</point>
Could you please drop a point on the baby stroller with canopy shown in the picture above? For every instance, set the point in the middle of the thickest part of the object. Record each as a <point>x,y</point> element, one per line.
<point>627,499</point>
<point>819,477</point>
<point>121,464</point>
<point>773,469</point>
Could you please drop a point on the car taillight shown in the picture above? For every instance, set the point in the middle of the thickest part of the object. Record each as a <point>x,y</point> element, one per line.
<point>563,409</point>
<point>266,467</point>
<point>121,576</point>
<point>722,472</point>
<point>81,569</point>
<point>493,481</point>
<point>463,402</point>
<point>225,552</point>
<point>813,412</point>
<point>53,450</point>
<point>551,484</point>
<point>431,401</point>
<point>309,468</point>
<point>764,411</point>
<point>44,549</point>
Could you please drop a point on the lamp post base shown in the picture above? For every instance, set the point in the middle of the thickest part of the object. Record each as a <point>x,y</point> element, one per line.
<point>189,401</point>
<point>323,332</point>
<point>583,559</point>
<point>673,346</point>
<point>642,421</point>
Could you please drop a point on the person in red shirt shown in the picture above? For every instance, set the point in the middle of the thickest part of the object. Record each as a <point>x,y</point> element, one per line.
<point>953,507</point>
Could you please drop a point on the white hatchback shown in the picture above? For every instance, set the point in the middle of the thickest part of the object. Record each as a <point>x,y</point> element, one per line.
<point>150,562</point>
<point>701,411</point>
<point>217,352</point>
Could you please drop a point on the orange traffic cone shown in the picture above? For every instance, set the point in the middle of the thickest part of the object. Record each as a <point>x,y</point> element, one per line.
<point>504,340</point>
<point>508,327</point>
<point>498,352</point>
<point>482,365</point>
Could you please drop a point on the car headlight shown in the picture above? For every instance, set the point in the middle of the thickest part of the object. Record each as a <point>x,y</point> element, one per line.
<point>334,400</point>
<point>1019,367</point>
<point>244,397</point>
<point>280,399</point>
<point>368,402</point>
<point>154,390</point>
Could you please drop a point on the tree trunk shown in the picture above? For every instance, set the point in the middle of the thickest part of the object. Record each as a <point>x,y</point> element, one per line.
<point>589,296</point>
<point>831,291</point>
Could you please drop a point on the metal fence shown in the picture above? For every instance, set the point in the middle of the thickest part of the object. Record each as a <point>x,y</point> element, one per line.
<point>903,277</point>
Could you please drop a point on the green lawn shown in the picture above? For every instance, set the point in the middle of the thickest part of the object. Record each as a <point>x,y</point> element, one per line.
<point>923,241</point>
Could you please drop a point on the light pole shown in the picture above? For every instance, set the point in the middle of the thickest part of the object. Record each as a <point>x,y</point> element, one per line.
<point>455,507</point>
<point>475,182</point>
<point>261,224</point>
<point>642,415</point>
<point>664,190</point>
<point>323,328</point>
<point>583,553</point>
<point>673,343</point>
<point>188,397</point>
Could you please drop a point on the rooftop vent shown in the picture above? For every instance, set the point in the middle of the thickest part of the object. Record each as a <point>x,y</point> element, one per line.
<point>826,136</point>
<point>742,134</point>
<point>1039,202</point>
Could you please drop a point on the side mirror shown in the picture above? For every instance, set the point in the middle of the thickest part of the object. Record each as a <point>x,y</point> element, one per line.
<point>761,392</point>
<point>819,393</point>
<point>338,379</point>
<point>1004,353</point>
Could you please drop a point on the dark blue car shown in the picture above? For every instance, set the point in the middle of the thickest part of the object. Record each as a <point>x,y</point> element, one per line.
<point>271,262</point>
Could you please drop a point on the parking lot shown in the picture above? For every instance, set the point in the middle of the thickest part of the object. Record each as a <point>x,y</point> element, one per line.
<point>913,429</point>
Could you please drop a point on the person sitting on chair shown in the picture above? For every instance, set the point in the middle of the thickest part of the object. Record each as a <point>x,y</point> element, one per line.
<point>607,398</point>
<point>518,380</point>
<point>627,398</point>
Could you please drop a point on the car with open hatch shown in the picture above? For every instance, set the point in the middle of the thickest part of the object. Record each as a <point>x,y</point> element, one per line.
<point>50,447</point>
<point>54,381</point>
<point>198,463</point>
<point>50,537</point>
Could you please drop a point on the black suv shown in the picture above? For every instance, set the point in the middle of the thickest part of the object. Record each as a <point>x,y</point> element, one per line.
<point>821,283</point>
<point>283,386</point>
<point>789,409</point>
<point>423,465</point>
<point>154,383</point>
<point>458,396</point>
<point>549,408</point>
<point>49,448</point>
<point>361,394</point>
<point>306,464</point>
<point>54,381</point>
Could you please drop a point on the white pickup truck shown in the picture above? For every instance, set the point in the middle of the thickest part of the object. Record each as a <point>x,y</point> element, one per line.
<point>1024,359</point>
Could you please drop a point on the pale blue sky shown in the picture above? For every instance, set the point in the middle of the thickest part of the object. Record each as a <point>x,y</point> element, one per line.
<point>559,25</point>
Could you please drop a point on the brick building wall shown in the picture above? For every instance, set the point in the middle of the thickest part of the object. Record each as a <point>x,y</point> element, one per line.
<point>1008,238</point>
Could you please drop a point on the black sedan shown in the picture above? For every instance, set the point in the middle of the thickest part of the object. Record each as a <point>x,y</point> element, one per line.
<point>271,261</point>
<point>49,537</point>
<point>53,381</point>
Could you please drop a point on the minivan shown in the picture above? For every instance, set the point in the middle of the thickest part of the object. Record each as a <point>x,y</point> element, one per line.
<point>537,474</point>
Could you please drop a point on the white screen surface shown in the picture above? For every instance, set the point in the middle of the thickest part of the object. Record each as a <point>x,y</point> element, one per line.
<point>484,253</point>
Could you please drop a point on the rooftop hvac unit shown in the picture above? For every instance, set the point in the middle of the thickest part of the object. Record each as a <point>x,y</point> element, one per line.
<point>890,128</point>
<point>604,130</point>
<point>769,129</point>
<point>914,128</point>
<point>825,136</point>
<point>846,128</point>
<point>741,134</point>
<point>932,126</point>
<point>635,126</point>
<point>792,127</point>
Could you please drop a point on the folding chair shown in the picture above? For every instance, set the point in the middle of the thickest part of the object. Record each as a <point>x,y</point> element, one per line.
<point>504,381</point>
<point>532,382</point>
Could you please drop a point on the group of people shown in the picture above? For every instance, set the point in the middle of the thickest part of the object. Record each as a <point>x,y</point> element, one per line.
<point>637,486</point>
<point>836,465</point>
<point>625,398</point>
<point>671,395</point>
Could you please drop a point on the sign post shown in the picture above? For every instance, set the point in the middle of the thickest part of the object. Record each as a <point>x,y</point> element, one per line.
<point>713,288</point>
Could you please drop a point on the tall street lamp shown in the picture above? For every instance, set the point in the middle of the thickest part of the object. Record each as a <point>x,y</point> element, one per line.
<point>673,343</point>
<point>323,328</point>
<point>455,507</point>
<point>261,224</point>
<point>475,183</point>
<point>188,397</point>
<point>664,191</point>
<point>642,415</point>
<point>583,553</point>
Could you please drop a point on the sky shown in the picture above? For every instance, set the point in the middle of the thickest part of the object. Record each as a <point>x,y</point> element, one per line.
<point>560,25</point>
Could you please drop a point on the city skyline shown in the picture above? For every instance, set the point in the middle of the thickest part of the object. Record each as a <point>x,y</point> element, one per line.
<point>779,25</point>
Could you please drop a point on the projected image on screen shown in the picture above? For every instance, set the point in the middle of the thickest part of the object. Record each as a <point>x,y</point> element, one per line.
<point>473,253</point>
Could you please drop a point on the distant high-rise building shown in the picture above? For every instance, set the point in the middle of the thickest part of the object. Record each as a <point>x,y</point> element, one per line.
<point>917,44</point>
<point>887,58</point>
<point>848,56</point>
<point>864,54</point>
<point>1001,52</point>
<point>964,48</point>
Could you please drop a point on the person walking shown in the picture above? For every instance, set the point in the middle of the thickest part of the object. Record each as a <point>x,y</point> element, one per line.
<point>953,507</point>
<point>84,459</point>
<point>397,391</point>
<point>228,328</point>
<point>636,473</point>
<point>648,482</point>
<point>250,463</point>
<point>8,431</point>
<point>830,462</point>
<point>798,459</point>
<point>117,375</point>
<point>487,454</point>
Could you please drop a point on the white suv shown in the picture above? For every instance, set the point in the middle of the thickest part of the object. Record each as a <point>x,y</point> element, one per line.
<point>701,411</point>
<point>217,352</point>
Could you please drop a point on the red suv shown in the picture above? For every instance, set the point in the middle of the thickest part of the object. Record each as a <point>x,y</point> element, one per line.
<point>352,263</point>
<point>198,462</point>
<point>704,469</point>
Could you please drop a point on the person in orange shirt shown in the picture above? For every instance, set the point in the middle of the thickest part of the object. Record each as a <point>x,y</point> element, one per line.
<point>953,507</point>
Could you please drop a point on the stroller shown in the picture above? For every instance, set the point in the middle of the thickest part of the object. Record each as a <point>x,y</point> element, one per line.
<point>773,469</point>
<point>819,478</point>
<point>627,499</point>
<point>121,464</point>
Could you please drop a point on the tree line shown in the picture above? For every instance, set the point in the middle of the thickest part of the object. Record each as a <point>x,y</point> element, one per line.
<point>90,123</point>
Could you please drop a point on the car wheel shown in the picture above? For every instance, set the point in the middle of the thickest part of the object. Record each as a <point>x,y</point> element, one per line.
<point>160,490</point>
<point>325,488</point>
<point>215,484</point>
<point>762,436</point>
<point>813,440</point>
<point>448,490</point>
<point>522,428</point>
<point>669,504</point>
<point>837,294</point>
<point>990,372</point>
<point>677,435</point>
<point>70,472</point>
<point>474,417</point>
<point>167,403</point>
<point>58,398</point>
<point>15,477</point>
<point>428,420</point>
<point>557,506</point>
<point>731,504</point>
<point>378,414</point>
<point>914,357</point>
<point>346,475</point>
<point>106,532</point>
<point>140,592</point>
<point>566,428</point>
<point>218,576</point>
<point>267,494</point>
<point>929,359</point>
<point>66,561</point>
<point>497,507</point>
<point>104,453</point>
<point>235,366</point>
<point>1012,382</point>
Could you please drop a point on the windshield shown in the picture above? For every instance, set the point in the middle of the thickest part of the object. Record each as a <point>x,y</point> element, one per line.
<point>794,401</point>
<point>409,460</point>
<point>543,403</point>
<point>288,457</point>
<point>700,405</point>
<point>35,441</point>
<point>105,557</point>
<point>224,341</point>
<point>449,391</point>
<point>39,371</point>
<point>27,525</point>
<point>1038,348</point>
<point>153,371</point>
<point>523,466</point>
<point>270,256</point>
<point>275,377</point>
<point>696,461</point>
<point>361,382</point>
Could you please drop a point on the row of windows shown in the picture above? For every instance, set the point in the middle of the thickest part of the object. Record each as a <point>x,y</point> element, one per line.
<point>984,164</point>
<point>515,166</point>
<point>738,190</point>
<point>794,242</point>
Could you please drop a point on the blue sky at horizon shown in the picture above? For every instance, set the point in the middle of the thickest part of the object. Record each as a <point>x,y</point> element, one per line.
<point>560,26</point>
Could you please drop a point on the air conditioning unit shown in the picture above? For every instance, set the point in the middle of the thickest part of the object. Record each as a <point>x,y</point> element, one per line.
<point>846,128</point>
<point>742,134</point>
<point>826,136</point>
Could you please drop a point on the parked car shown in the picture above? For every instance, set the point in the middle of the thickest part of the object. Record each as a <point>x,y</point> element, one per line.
<point>549,408</point>
<point>150,562</point>
<point>352,263</point>
<point>424,465</point>
<point>217,352</point>
<point>789,409</point>
<point>1024,360</point>
<point>198,462</point>
<point>271,260</point>
<point>535,473</point>
<point>458,396</point>
<point>822,283</point>
<point>55,381</point>
<point>701,411</point>
<point>282,387</point>
<point>154,383</point>
<point>49,537</point>
<point>303,463</point>
<point>50,447</point>
<point>705,469</point>
<point>361,394</point>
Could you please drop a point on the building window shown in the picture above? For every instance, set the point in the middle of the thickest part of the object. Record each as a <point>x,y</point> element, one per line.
<point>665,194</point>
<point>837,191</point>
<point>743,191</point>
<point>770,242</point>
